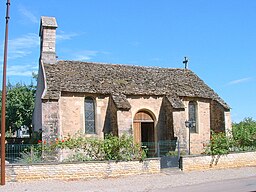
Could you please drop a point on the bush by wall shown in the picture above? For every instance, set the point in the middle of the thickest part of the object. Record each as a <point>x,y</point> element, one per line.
<point>242,138</point>
<point>86,149</point>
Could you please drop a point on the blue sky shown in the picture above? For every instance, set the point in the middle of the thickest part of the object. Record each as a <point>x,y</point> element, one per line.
<point>219,37</point>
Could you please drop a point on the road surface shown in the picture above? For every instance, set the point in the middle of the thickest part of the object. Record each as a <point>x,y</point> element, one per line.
<point>242,179</point>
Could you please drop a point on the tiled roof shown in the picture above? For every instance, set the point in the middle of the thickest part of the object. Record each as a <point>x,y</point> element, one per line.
<point>124,80</point>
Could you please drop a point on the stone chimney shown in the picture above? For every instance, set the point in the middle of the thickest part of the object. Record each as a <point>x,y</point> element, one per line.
<point>47,36</point>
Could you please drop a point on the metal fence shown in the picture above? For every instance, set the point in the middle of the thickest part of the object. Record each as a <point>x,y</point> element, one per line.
<point>164,148</point>
<point>15,152</point>
<point>25,153</point>
<point>169,152</point>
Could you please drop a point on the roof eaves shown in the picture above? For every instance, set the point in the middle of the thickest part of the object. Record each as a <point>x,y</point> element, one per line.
<point>175,101</point>
<point>121,102</point>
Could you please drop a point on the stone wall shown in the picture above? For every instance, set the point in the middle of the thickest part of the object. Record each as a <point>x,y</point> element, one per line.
<point>233,160</point>
<point>152,104</point>
<point>71,171</point>
<point>217,117</point>
<point>148,103</point>
<point>169,122</point>
<point>202,136</point>
<point>72,114</point>
<point>50,120</point>
<point>165,121</point>
<point>37,113</point>
<point>180,131</point>
<point>110,123</point>
<point>124,122</point>
<point>228,122</point>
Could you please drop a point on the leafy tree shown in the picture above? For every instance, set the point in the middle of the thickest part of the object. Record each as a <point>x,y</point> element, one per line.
<point>244,133</point>
<point>243,138</point>
<point>19,105</point>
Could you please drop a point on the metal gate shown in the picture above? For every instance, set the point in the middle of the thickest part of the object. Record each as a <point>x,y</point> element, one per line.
<point>168,151</point>
<point>169,162</point>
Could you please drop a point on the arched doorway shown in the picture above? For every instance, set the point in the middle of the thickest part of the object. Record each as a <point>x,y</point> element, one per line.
<point>144,130</point>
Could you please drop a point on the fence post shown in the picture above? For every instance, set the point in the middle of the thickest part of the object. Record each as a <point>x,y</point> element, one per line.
<point>158,148</point>
<point>31,152</point>
<point>178,145</point>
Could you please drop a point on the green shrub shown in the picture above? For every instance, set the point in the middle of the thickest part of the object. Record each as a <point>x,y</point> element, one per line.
<point>88,149</point>
<point>219,144</point>
<point>242,138</point>
<point>244,134</point>
<point>112,147</point>
<point>31,155</point>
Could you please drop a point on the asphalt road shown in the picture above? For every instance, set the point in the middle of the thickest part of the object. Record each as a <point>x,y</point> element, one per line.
<point>234,185</point>
<point>174,180</point>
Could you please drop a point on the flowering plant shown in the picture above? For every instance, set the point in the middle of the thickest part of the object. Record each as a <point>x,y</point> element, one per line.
<point>111,148</point>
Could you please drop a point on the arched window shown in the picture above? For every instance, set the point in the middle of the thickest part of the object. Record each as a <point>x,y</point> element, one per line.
<point>89,111</point>
<point>192,115</point>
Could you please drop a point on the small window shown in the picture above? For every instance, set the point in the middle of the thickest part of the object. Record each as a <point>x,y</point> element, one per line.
<point>89,110</point>
<point>192,115</point>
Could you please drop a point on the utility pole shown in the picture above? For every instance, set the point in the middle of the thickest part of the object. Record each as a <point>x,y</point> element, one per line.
<point>4,97</point>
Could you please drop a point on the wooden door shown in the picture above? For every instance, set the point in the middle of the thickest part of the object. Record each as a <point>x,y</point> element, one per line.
<point>137,132</point>
<point>143,121</point>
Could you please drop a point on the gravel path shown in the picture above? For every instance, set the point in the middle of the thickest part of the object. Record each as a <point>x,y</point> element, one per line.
<point>146,183</point>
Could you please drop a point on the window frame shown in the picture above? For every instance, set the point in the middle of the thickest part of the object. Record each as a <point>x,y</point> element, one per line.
<point>93,111</point>
<point>195,115</point>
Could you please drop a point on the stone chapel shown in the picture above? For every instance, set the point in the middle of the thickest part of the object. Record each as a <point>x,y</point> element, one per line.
<point>149,103</point>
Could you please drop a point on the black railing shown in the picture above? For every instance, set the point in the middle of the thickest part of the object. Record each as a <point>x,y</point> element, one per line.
<point>164,148</point>
<point>15,152</point>
<point>28,153</point>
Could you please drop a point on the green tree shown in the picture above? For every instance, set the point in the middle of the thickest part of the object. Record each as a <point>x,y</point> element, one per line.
<point>219,144</point>
<point>19,105</point>
<point>244,133</point>
<point>243,138</point>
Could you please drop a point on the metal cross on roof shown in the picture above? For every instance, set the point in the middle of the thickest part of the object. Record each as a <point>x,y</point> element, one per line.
<point>185,62</point>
